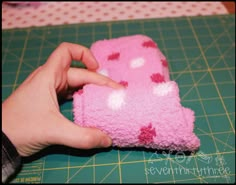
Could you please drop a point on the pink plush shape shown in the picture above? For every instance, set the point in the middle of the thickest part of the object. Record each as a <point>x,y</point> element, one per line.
<point>147,112</point>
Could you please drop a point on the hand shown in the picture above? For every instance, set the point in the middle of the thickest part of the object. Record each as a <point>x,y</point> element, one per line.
<point>31,117</point>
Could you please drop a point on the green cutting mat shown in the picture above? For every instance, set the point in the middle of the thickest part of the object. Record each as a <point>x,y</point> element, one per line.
<point>201,55</point>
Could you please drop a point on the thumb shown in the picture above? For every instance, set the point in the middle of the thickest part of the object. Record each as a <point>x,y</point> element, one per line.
<point>72,135</point>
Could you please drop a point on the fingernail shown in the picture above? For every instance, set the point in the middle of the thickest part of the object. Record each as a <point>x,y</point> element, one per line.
<point>107,142</point>
<point>118,86</point>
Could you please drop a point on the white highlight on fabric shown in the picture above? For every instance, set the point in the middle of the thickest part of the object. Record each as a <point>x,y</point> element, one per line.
<point>162,89</point>
<point>116,99</point>
<point>137,62</point>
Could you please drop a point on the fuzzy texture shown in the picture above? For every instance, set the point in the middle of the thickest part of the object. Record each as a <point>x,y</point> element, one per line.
<point>133,58</point>
<point>147,112</point>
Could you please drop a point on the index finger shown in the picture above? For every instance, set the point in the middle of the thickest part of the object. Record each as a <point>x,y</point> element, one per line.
<point>63,55</point>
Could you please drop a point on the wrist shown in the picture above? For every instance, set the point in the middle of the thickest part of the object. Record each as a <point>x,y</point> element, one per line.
<point>11,159</point>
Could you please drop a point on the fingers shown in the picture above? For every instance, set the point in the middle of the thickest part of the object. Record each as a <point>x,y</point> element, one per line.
<point>77,77</point>
<point>66,52</point>
<point>69,134</point>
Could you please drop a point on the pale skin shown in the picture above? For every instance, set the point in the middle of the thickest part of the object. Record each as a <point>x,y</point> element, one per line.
<point>30,115</point>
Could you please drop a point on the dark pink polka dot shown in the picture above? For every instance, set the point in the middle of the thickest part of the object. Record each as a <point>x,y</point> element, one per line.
<point>113,56</point>
<point>131,16</point>
<point>35,7</point>
<point>157,78</point>
<point>146,134</point>
<point>104,5</point>
<point>124,83</point>
<point>27,13</point>
<point>73,7</point>
<point>153,10</point>
<point>51,6</point>
<point>164,63</point>
<point>144,6</point>
<point>149,44</point>
<point>163,8</point>
<point>79,92</point>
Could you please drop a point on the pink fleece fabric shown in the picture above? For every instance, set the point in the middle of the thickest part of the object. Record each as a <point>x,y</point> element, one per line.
<point>148,111</point>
